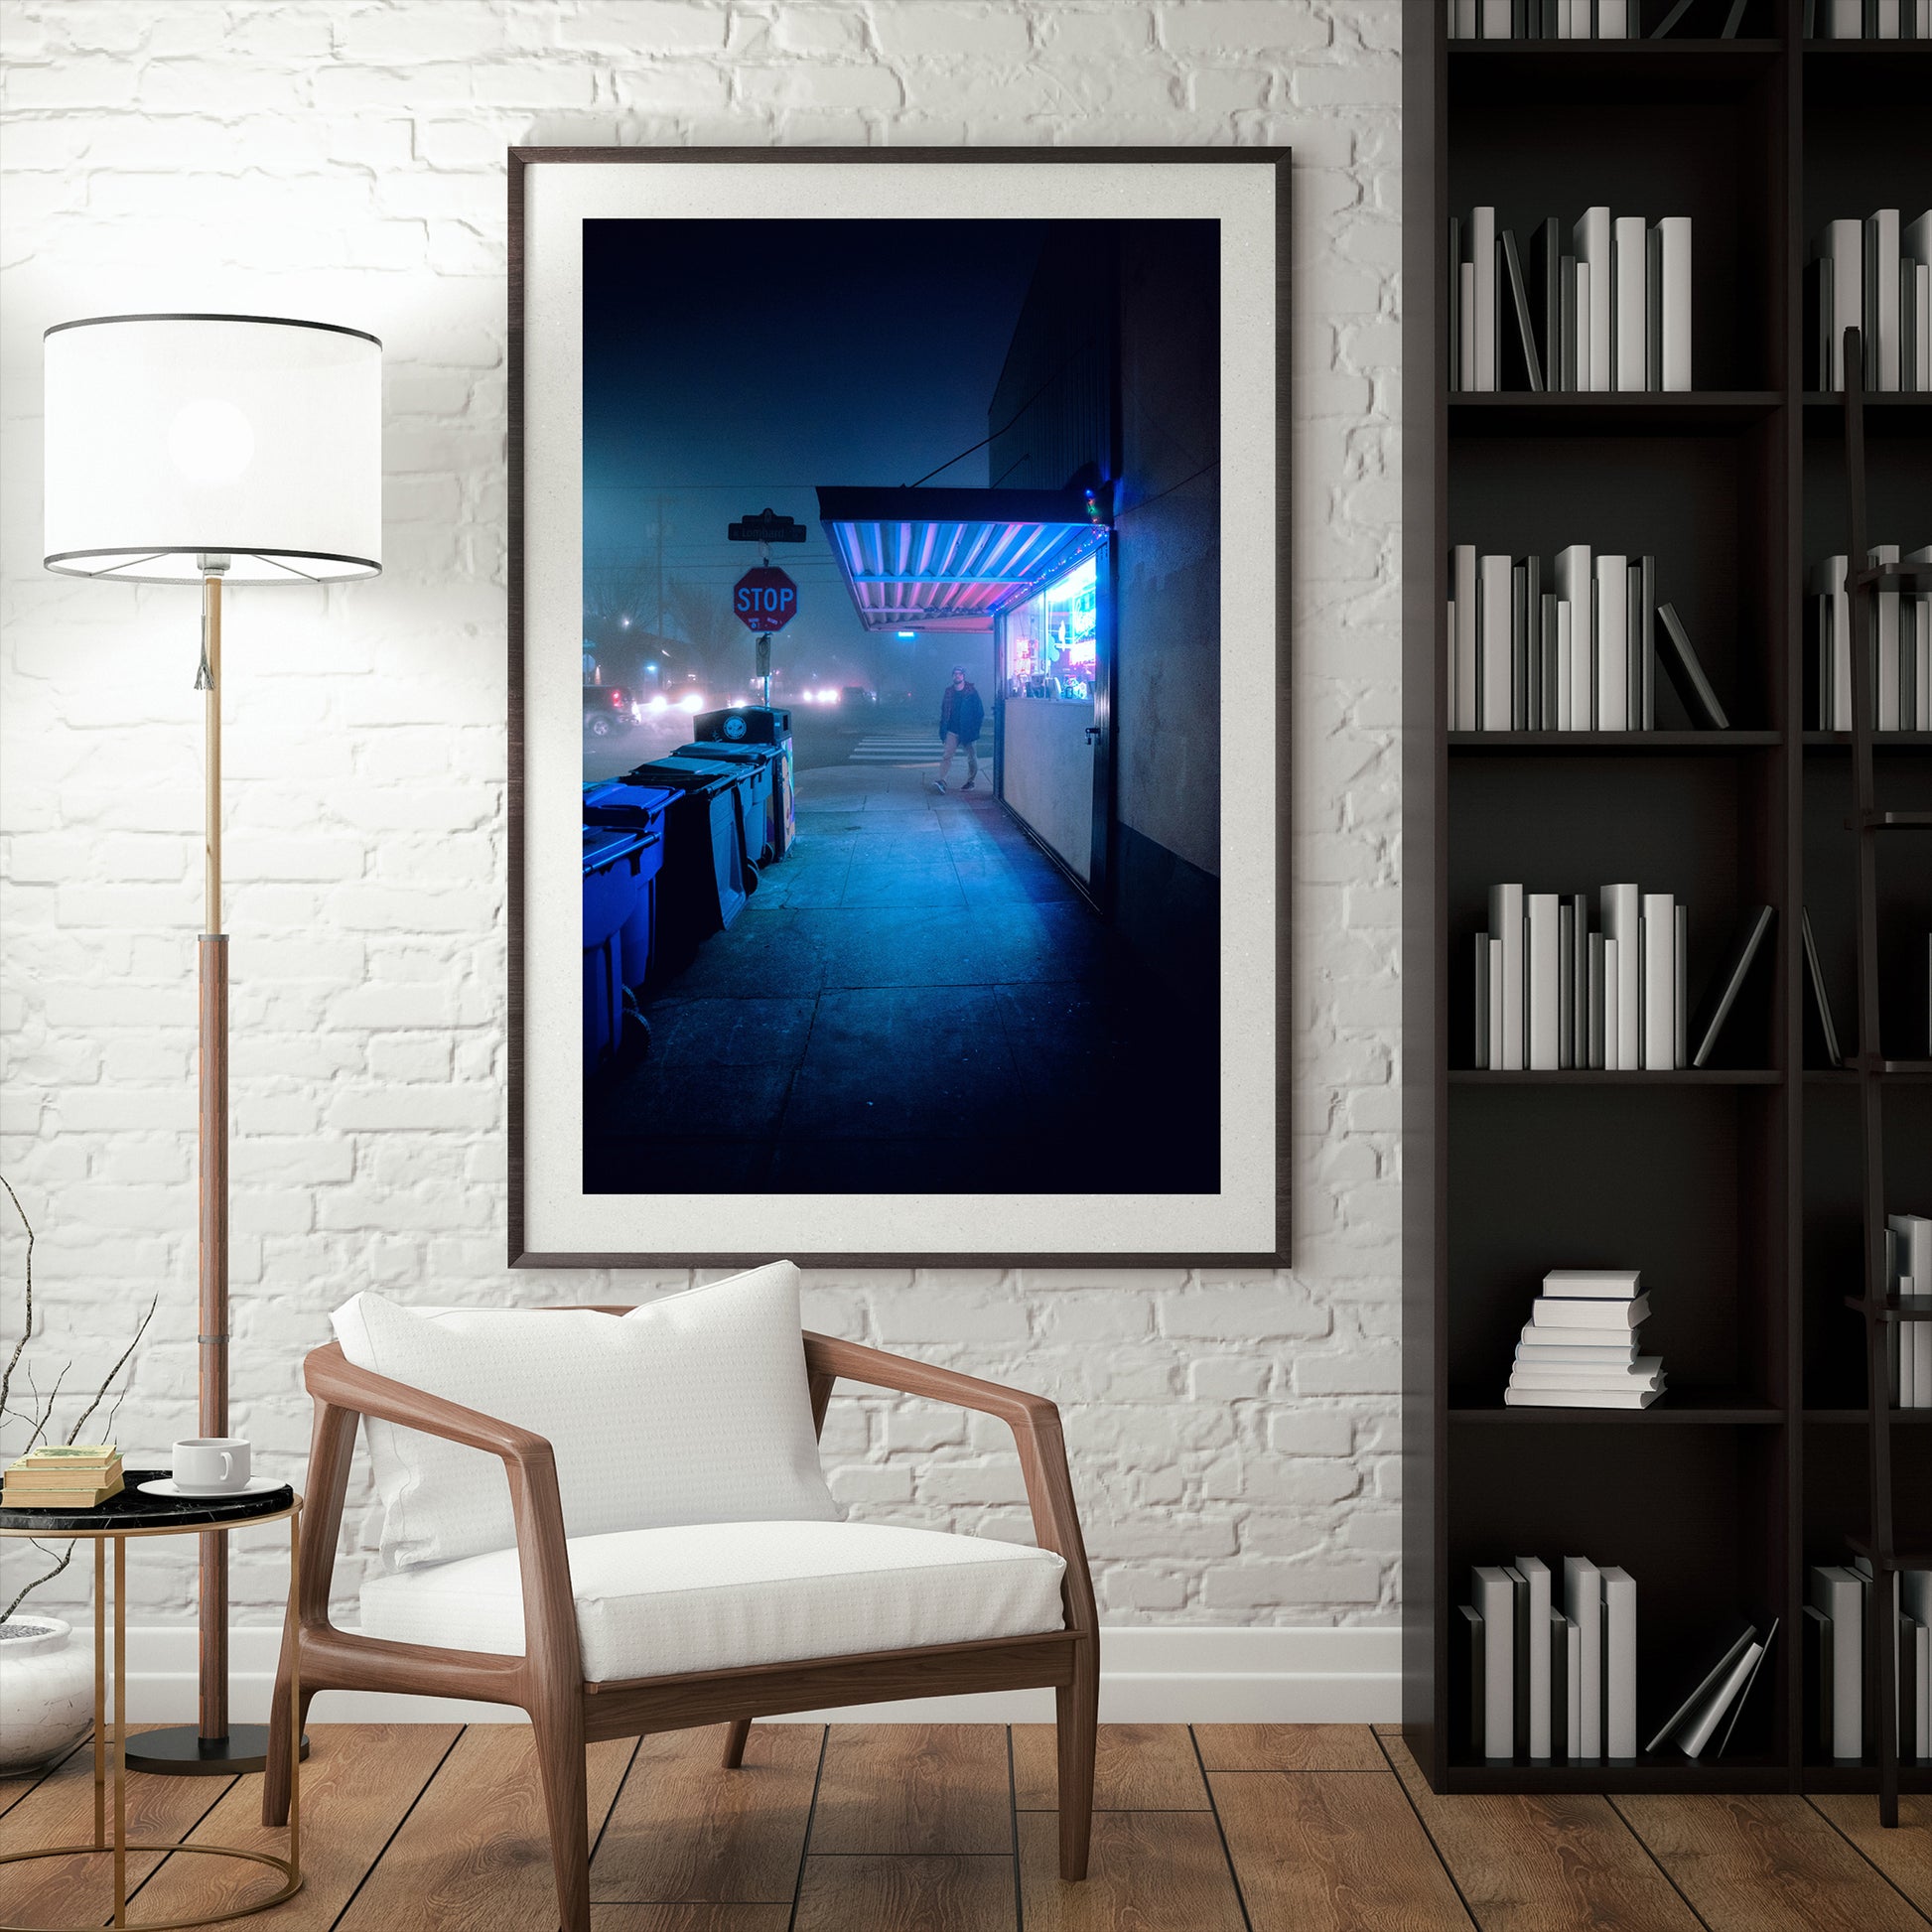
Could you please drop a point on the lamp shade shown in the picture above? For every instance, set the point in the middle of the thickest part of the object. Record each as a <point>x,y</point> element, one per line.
<point>171,439</point>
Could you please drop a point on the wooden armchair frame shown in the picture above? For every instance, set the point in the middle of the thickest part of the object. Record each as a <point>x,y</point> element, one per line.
<point>567,1713</point>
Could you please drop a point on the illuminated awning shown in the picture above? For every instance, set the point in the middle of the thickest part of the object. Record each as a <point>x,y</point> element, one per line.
<point>954,559</point>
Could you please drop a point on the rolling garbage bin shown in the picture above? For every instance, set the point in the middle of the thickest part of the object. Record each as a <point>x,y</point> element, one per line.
<point>761,764</point>
<point>637,808</point>
<point>613,866</point>
<point>703,886</point>
<point>759,724</point>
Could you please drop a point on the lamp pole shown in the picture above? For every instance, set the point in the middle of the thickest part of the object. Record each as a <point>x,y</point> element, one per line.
<point>212,1136</point>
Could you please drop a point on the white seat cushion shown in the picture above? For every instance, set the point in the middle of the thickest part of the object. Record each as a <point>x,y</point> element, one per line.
<point>716,1596</point>
<point>691,1409</point>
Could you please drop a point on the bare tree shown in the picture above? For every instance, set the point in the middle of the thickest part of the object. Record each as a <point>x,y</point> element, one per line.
<point>625,587</point>
<point>701,615</point>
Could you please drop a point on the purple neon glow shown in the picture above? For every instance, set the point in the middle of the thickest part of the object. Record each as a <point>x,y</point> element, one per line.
<point>941,575</point>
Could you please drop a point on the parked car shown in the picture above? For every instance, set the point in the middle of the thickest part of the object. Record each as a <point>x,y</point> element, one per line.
<point>607,710</point>
<point>857,694</point>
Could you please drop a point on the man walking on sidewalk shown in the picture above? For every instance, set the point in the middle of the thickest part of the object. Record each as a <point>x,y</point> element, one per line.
<point>960,716</point>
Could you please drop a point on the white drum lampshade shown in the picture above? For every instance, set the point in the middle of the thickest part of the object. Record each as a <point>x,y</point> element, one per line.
<point>171,439</point>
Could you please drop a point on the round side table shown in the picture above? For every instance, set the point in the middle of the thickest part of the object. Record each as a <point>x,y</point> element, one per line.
<point>134,1513</point>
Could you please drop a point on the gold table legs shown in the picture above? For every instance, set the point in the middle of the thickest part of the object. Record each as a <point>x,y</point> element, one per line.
<point>110,1745</point>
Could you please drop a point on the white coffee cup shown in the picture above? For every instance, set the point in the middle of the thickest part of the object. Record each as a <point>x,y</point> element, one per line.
<point>212,1465</point>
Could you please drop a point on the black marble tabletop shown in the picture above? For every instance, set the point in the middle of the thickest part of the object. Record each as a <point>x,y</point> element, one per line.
<point>133,1509</point>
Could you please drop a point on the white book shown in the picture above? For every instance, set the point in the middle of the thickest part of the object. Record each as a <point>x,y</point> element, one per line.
<point>1495,20</point>
<point>1842,245</point>
<point>1583,1603</point>
<point>1545,979</point>
<point>1922,319</point>
<point>1629,320</point>
<point>1612,1004</point>
<point>1506,927</point>
<point>1619,1664</point>
<point>1887,23</point>
<point>1644,1373</point>
<point>1566,698</point>
<point>1536,1572</point>
<point>1466,326</point>
<point>1497,1062</point>
<point>1612,20</point>
<point>1831,581</point>
<point>1612,1283</point>
<point>1675,230</point>
<point>1847,20</point>
<point>1681,986</point>
<point>1577,588</point>
<point>1590,240</point>
<point>1915,1599</point>
<point>1612,644</point>
<point>1482,257</point>
<point>1571,1640</point>
<point>1881,295</point>
<point>1607,1317</point>
<point>1922,624</point>
<point>1659,983</point>
<point>1494,641</point>
<point>1621,909</point>
<point>1562,1348</point>
<point>1463,566</point>
<point>1839,1595</point>
<point>1579,1398</point>
<point>1692,1740</point>
<point>1496,1602</point>
<point>1889,719</point>
<point>1448,666</point>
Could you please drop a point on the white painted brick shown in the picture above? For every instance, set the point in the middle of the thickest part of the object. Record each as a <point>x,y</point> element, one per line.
<point>1233,1437</point>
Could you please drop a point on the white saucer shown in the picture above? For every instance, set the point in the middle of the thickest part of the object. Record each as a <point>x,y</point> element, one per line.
<point>168,1486</point>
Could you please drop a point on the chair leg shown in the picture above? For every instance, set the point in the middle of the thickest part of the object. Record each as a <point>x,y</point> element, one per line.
<point>559,1732</point>
<point>275,1773</point>
<point>735,1734</point>
<point>1077,1710</point>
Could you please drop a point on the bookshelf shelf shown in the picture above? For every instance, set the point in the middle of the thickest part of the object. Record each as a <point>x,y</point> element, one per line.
<point>1734,1187</point>
<point>1656,743</point>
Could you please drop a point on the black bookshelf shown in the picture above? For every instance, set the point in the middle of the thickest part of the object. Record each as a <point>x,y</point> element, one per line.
<point>1735,1187</point>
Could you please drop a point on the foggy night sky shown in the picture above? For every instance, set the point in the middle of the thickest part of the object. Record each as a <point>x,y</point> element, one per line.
<point>772,356</point>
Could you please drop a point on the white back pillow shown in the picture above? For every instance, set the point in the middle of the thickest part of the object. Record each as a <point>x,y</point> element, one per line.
<point>692,1409</point>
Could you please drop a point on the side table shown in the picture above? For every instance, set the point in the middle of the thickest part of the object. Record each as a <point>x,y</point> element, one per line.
<point>134,1513</point>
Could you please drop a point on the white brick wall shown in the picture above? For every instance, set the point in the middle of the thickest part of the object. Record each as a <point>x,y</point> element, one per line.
<point>1233,1439</point>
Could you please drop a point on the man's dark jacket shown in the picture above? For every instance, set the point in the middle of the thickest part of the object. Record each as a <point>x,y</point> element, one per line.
<point>961,712</point>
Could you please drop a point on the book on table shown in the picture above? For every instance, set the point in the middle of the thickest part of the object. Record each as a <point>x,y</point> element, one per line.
<point>63,1475</point>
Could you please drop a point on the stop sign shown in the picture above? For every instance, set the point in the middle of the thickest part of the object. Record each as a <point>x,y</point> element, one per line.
<point>765,598</point>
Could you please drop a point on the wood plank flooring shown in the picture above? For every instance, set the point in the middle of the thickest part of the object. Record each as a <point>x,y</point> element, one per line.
<point>951,1828</point>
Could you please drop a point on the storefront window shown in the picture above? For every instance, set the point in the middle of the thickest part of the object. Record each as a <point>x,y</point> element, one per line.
<point>1053,644</point>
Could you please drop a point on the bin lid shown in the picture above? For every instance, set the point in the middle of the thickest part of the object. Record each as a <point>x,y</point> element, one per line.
<point>690,774</point>
<point>617,801</point>
<point>696,754</point>
<point>608,845</point>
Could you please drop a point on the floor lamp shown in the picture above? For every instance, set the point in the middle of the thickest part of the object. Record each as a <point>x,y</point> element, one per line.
<point>212,450</point>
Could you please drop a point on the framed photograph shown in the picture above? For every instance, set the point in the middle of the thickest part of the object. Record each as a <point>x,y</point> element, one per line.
<point>898,706</point>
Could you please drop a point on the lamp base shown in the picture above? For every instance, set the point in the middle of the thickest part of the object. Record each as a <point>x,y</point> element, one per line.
<point>183,1752</point>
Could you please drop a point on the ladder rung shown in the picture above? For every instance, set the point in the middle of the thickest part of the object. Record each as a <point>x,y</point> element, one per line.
<point>1861,1545</point>
<point>1893,577</point>
<point>1893,1308</point>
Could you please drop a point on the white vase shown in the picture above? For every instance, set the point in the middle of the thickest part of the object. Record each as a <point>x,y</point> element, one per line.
<point>46,1692</point>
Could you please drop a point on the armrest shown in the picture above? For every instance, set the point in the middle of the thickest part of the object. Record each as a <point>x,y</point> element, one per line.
<point>1036,1426</point>
<point>549,1610</point>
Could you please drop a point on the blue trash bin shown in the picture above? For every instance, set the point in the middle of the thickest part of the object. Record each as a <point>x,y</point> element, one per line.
<point>703,886</point>
<point>761,724</point>
<point>637,808</point>
<point>614,858</point>
<point>764,836</point>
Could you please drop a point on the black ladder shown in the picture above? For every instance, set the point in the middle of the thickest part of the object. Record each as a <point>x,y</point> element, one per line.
<point>1884,1312</point>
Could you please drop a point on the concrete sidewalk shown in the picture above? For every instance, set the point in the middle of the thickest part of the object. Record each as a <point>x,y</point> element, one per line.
<point>914,1001</point>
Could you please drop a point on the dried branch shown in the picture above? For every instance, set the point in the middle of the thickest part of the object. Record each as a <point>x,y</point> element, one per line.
<point>6,1615</point>
<point>74,1433</point>
<point>27,1328</point>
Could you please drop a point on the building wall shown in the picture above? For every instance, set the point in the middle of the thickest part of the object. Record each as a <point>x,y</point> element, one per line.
<point>1233,1436</point>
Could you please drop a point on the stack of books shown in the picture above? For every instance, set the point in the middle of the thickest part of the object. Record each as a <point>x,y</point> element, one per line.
<point>1901,674</point>
<point>1836,1622</point>
<point>1867,20</point>
<point>1544,19</point>
<point>1579,1348</point>
<point>1573,648</point>
<point>1908,1270</point>
<point>1547,1683</point>
<point>1874,276</point>
<point>67,1475</point>
<point>1611,311</point>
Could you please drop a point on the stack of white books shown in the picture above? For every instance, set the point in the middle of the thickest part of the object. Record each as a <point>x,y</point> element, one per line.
<point>1579,1348</point>
<point>1901,652</point>
<point>1908,1267</point>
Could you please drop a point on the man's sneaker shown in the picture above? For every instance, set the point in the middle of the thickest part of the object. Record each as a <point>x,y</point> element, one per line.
<point>969,785</point>
<point>938,785</point>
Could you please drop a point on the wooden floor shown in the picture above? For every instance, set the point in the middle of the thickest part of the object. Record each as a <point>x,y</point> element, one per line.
<point>950,1827</point>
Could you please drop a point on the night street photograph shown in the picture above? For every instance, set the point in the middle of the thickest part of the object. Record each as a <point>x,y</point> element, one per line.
<point>901,701</point>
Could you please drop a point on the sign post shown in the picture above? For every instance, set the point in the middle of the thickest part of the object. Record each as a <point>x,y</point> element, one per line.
<point>765,599</point>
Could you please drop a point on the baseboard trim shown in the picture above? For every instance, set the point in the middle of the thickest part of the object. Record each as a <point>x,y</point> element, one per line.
<point>1186,1674</point>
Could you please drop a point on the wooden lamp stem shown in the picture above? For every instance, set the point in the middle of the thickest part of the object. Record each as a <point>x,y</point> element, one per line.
<point>214,1174</point>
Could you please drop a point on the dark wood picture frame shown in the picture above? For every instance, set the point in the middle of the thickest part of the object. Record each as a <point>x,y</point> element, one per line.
<point>521,160</point>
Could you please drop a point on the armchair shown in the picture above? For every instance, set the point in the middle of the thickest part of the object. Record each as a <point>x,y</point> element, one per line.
<point>568,1709</point>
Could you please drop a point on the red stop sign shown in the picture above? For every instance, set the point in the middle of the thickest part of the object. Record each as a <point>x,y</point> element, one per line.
<point>765,598</point>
